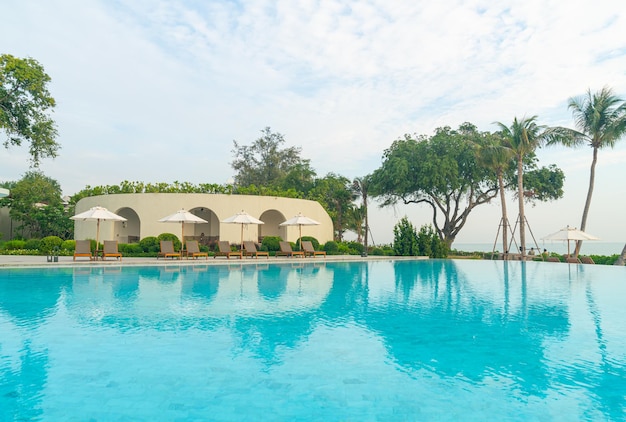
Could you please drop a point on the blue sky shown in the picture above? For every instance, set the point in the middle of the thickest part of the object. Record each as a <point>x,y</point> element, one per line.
<point>158,90</point>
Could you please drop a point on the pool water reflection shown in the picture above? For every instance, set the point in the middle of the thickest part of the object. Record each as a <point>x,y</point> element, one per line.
<point>382,340</point>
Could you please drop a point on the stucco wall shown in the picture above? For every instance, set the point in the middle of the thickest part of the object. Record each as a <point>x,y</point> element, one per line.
<point>144,210</point>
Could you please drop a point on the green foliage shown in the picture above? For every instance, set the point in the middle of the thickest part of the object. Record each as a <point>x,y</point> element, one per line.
<point>172,237</point>
<point>36,203</point>
<point>50,243</point>
<point>439,171</point>
<point>15,244</point>
<point>32,244</point>
<point>544,184</point>
<point>331,247</point>
<point>355,248</point>
<point>383,250</point>
<point>150,244</point>
<point>405,238</point>
<point>130,249</point>
<point>429,243</point>
<point>314,241</point>
<point>605,259</point>
<point>140,187</point>
<point>264,163</point>
<point>334,193</point>
<point>68,245</point>
<point>271,243</point>
<point>25,104</point>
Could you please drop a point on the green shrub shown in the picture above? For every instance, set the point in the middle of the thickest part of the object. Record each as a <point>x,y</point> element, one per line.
<point>32,244</point>
<point>271,243</point>
<point>314,241</point>
<point>172,237</point>
<point>331,247</point>
<point>68,245</point>
<point>16,244</point>
<point>130,249</point>
<point>405,238</point>
<point>150,244</point>
<point>355,248</point>
<point>50,243</point>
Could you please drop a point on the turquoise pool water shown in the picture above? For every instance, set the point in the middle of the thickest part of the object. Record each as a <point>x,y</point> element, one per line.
<point>385,340</point>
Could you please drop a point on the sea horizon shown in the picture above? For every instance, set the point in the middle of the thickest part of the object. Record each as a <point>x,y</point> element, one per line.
<point>588,248</point>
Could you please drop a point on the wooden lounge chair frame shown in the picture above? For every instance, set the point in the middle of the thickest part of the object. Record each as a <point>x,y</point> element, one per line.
<point>193,250</point>
<point>572,260</point>
<point>552,259</point>
<point>309,250</point>
<point>586,260</point>
<point>83,249</point>
<point>224,250</point>
<point>110,250</point>
<point>167,250</point>
<point>285,250</point>
<point>251,250</point>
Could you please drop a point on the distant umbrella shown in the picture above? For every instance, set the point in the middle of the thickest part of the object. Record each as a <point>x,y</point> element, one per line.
<point>570,233</point>
<point>242,218</point>
<point>300,220</point>
<point>182,216</point>
<point>98,214</point>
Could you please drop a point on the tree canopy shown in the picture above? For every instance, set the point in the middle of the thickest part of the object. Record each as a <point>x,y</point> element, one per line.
<point>264,163</point>
<point>25,104</point>
<point>440,171</point>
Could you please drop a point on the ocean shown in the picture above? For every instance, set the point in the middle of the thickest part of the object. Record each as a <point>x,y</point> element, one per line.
<point>588,248</point>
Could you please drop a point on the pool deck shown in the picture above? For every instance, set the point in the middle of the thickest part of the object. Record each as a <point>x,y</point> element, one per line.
<point>14,261</point>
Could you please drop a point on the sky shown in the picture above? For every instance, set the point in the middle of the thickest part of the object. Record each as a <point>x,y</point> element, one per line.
<point>156,91</point>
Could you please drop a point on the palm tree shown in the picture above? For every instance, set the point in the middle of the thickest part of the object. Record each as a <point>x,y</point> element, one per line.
<point>601,120</point>
<point>523,137</point>
<point>361,186</point>
<point>498,157</point>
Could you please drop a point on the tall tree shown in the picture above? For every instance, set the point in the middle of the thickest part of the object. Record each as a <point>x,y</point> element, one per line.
<point>601,121</point>
<point>361,187</point>
<point>30,195</point>
<point>523,137</point>
<point>439,171</point>
<point>264,163</point>
<point>498,158</point>
<point>334,194</point>
<point>25,104</point>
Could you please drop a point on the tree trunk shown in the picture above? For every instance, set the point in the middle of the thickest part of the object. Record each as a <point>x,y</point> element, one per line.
<point>367,226</point>
<point>505,222</point>
<point>592,176</point>
<point>520,194</point>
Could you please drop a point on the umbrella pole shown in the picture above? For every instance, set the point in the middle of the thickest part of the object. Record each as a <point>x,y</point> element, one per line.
<point>241,244</point>
<point>97,236</point>
<point>300,236</point>
<point>182,238</point>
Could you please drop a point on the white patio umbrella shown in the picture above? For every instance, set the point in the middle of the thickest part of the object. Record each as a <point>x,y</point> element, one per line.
<point>182,216</point>
<point>98,214</point>
<point>300,220</point>
<point>242,218</point>
<point>570,233</point>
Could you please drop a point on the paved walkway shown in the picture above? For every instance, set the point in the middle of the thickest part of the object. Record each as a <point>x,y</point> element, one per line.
<point>65,261</point>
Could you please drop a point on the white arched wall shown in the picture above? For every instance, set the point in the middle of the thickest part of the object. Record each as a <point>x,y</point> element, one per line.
<point>150,207</point>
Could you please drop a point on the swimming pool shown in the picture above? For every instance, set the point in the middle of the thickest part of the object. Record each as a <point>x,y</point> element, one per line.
<point>383,340</point>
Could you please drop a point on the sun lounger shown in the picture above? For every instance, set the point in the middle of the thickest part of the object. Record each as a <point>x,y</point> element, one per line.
<point>251,250</point>
<point>586,260</point>
<point>193,250</point>
<point>552,259</point>
<point>83,249</point>
<point>572,260</point>
<point>285,250</point>
<point>309,250</point>
<point>110,250</point>
<point>224,250</point>
<point>167,250</point>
